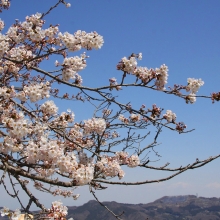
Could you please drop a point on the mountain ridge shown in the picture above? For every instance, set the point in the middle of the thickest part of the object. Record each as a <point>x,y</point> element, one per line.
<point>187,207</point>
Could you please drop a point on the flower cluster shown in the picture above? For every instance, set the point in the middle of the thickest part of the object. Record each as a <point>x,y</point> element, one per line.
<point>123,119</point>
<point>7,92</point>
<point>170,116</point>
<point>5,211</point>
<point>64,119</point>
<point>84,175</point>
<point>129,65</point>
<point>67,163</point>
<point>10,145</point>
<point>96,125</point>
<point>58,211</point>
<point>16,214</point>
<point>144,74</point>
<point>114,84</point>
<point>43,150</point>
<point>14,34</point>
<point>193,87</point>
<point>81,39</point>
<point>35,92</point>
<point>49,108</point>
<point>51,32</point>
<point>135,117</point>
<point>31,29</point>
<point>161,76</point>
<point>215,96</point>
<point>33,25</point>
<point>20,53</point>
<point>64,193</point>
<point>72,65</point>
<point>4,45</point>
<point>89,40</point>
<point>5,4</point>
<point>9,66</point>
<point>79,141</point>
<point>35,19</point>
<point>180,127</point>
<point>111,166</point>
<point>18,126</point>
<point>52,154</point>
<point>133,161</point>
<point>68,5</point>
<point>39,129</point>
<point>12,215</point>
<point>106,112</point>
<point>155,111</point>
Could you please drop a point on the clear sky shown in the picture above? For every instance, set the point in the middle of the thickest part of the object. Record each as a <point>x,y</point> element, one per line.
<point>185,35</point>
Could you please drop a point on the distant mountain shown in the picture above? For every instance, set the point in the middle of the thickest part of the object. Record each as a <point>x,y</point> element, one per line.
<point>166,208</point>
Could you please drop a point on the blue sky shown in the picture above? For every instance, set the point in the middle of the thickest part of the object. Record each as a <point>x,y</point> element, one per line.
<point>185,35</point>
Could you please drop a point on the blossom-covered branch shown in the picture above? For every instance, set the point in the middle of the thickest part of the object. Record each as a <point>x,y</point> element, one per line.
<point>53,149</point>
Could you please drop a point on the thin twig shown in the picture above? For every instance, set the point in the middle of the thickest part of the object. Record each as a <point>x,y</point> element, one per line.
<point>116,216</point>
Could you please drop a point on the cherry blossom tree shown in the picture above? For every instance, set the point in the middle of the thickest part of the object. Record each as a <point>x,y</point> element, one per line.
<point>46,148</point>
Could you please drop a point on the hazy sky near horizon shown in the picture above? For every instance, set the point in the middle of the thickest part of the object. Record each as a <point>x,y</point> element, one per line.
<point>185,35</point>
